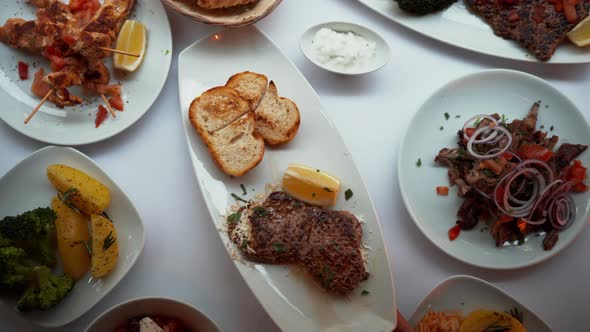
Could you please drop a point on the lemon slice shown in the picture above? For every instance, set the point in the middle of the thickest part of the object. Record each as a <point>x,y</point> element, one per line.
<point>132,39</point>
<point>580,35</point>
<point>311,185</point>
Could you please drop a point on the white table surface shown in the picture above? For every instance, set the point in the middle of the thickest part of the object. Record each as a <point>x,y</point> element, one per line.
<point>183,257</point>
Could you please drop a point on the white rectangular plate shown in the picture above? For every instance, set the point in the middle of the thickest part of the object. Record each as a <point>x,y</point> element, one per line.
<point>459,26</point>
<point>466,293</point>
<point>26,187</point>
<point>292,299</point>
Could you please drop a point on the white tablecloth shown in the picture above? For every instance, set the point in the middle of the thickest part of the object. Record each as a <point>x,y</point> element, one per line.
<point>183,257</point>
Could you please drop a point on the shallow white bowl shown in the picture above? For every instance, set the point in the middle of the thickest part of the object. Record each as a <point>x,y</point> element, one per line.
<point>382,52</point>
<point>191,317</point>
<point>494,91</point>
<point>465,294</point>
<point>26,187</point>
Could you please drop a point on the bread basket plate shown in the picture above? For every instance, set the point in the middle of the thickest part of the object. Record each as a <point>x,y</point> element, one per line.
<point>461,27</point>
<point>26,187</point>
<point>464,294</point>
<point>291,298</point>
<point>507,92</point>
<point>229,17</point>
<point>75,125</point>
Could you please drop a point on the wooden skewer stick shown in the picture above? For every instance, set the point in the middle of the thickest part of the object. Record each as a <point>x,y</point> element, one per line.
<point>38,106</point>
<point>114,50</point>
<point>108,105</point>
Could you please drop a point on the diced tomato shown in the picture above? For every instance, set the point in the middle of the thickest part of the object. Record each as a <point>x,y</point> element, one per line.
<point>580,187</point>
<point>55,56</point>
<point>84,10</point>
<point>508,155</point>
<point>101,115</point>
<point>454,232</point>
<point>50,50</point>
<point>470,131</point>
<point>442,191</point>
<point>493,165</point>
<point>575,173</point>
<point>534,151</point>
<point>23,70</point>
<point>40,88</point>
<point>117,103</point>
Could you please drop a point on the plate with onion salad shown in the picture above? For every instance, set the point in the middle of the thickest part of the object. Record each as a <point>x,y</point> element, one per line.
<point>493,169</point>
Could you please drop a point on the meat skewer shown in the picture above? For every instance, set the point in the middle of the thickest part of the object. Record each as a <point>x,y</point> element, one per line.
<point>106,101</point>
<point>38,106</point>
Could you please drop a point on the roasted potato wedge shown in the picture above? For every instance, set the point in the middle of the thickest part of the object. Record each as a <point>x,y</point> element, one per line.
<point>105,246</point>
<point>80,190</point>
<point>72,238</point>
<point>488,320</point>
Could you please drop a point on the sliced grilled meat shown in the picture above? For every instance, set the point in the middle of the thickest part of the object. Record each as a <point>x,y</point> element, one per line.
<point>565,155</point>
<point>535,24</point>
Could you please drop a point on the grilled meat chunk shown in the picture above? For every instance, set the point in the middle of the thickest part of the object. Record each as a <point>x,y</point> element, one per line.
<point>565,155</point>
<point>283,230</point>
<point>535,24</point>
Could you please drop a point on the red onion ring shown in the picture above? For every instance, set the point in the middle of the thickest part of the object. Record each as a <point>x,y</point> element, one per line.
<point>473,140</point>
<point>474,119</point>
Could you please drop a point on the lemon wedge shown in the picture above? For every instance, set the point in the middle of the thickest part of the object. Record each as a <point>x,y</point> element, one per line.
<point>132,39</point>
<point>310,185</point>
<point>580,35</point>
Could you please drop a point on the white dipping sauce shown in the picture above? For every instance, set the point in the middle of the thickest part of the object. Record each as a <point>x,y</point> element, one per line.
<point>342,50</point>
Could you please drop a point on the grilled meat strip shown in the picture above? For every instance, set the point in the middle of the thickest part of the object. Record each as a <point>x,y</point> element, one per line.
<point>283,230</point>
<point>535,24</point>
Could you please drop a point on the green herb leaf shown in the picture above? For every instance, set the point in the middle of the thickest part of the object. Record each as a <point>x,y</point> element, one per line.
<point>348,194</point>
<point>447,116</point>
<point>279,247</point>
<point>419,162</point>
<point>517,314</point>
<point>504,119</point>
<point>551,128</point>
<point>234,218</point>
<point>67,196</point>
<point>243,189</point>
<point>259,210</point>
<point>328,190</point>
<point>365,292</point>
<point>489,173</point>
<point>238,198</point>
<point>457,116</point>
<point>244,245</point>
<point>108,241</point>
<point>477,121</point>
<point>441,127</point>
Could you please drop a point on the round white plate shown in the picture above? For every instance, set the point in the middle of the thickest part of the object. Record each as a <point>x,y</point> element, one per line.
<point>191,317</point>
<point>75,125</point>
<point>381,57</point>
<point>459,26</point>
<point>495,91</point>
<point>25,187</point>
<point>465,294</point>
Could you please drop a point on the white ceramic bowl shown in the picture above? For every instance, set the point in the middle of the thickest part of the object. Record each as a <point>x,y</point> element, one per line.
<point>190,316</point>
<point>381,57</point>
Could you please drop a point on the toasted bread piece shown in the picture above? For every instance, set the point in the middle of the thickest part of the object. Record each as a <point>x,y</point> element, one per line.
<point>215,4</point>
<point>277,118</point>
<point>236,148</point>
<point>250,86</point>
<point>215,109</point>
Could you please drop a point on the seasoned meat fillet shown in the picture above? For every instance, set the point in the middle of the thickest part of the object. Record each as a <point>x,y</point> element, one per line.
<point>535,24</point>
<point>283,230</point>
<point>216,4</point>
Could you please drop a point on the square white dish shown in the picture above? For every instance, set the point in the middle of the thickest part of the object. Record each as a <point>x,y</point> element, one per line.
<point>290,297</point>
<point>26,187</point>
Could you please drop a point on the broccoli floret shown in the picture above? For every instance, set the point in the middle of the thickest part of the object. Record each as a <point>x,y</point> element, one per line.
<point>423,7</point>
<point>33,231</point>
<point>45,290</point>
<point>14,272</point>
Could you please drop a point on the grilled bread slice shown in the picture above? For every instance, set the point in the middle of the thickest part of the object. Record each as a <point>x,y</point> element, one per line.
<point>216,4</point>
<point>215,109</point>
<point>236,148</point>
<point>277,118</point>
<point>250,86</point>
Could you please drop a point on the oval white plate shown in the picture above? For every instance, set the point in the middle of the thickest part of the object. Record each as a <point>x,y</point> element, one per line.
<point>466,293</point>
<point>381,48</point>
<point>25,187</point>
<point>290,297</point>
<point>191,317</point>
<point>495,91</point>
<point>75,125</point>
<point>458,26</point>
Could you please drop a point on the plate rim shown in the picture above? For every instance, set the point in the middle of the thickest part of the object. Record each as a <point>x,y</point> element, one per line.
<point>529,59</point>
<point>484,283</point>
<point>321,109</point>
<point>141,224</point>
<point>154,97</point>
<point>402,184</point>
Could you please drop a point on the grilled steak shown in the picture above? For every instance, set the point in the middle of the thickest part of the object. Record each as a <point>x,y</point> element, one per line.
<point>566,153</point>
<point>283,230</point>
<point>535,24</point>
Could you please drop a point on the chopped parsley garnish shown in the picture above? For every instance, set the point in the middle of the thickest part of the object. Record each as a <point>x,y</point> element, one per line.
<point>279,247</point>
<point>441,127</point>
<point>348,194</point>
<point>457,116</point>
<point>167,52</point>
<point>477,121</point>
<point>244,245</point>
<point>504,119</point>
<point>238,198</point>
<point>234,218</point>
<point>419,162</point>
<point>447,116</point>
<point>542,127</point>
<point>328,190</point>
<point>488,173</point>
<point>551,128</point>
<point>243,189</point>
<point>365,292</point>
<point>317,170</point>
<point>297,204</point>
<point>327,276</point>
<point>260,211</point>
